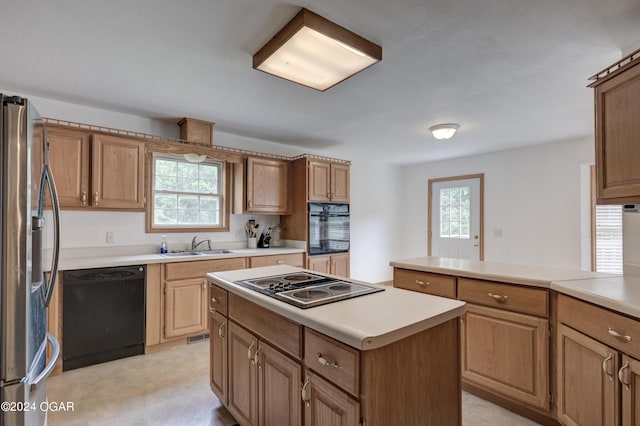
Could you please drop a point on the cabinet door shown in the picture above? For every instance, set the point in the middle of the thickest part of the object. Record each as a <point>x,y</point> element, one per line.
<point>319,181</point>
<point>69,157</point>
<point>117,173</point>
<point>267,186</point>
<point>340,265</point>
<point>629,376</point>
<point>279,379</point>
<point>617,102</point>
<point>321,264</point>
<point>326,405</point>
<point>243,397</point>
<point>587,389</point>
<point>218,355</point>
<point>508,353</point>
<point>185,307</point>
<point>340,183</point>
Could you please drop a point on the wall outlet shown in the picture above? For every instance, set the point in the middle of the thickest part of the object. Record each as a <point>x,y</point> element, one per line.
<point>111,237</point>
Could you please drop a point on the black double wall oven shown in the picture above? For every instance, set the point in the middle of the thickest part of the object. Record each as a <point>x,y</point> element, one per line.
<point>328,228</point>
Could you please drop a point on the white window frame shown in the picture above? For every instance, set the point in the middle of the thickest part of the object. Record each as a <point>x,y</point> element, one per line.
<point>223,214</point>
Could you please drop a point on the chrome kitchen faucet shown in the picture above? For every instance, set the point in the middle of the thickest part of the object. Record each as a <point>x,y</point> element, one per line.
<point>195,244</point>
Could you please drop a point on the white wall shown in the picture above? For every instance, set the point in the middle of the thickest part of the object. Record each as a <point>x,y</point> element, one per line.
<point>532,195</point>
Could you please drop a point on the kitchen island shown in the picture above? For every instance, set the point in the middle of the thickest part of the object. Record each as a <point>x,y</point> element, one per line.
<point>391,357</point>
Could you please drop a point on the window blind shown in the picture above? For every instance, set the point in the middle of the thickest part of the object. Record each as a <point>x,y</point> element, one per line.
<point>608,239</point>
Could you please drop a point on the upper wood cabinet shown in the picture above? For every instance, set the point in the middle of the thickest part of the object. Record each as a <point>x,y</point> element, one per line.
<point>328,182</point>
<point>97,171</point>
<point>617,131</point>
<point>262,187</point>
<point>117,173</point>
<point>70,159</point>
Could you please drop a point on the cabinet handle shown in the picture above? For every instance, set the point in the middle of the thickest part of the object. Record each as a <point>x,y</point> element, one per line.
<point>605,368</point>
<point>280,262</point>
<point>619,336</point>
<point>249,354</point>
<point>303,393</point>
<point>326,361</point>
<point>220,330</point>
<point>84,198</point>
<point>204,285</point>
<point>96,198</point>
<point>256,356</point>
<point>250,204</point>
<point>621,375</point>
<point>498,297</point>
<point>328,195</point>
<point>214,300</point>
<point>211,310</point>
<point>422,283</point>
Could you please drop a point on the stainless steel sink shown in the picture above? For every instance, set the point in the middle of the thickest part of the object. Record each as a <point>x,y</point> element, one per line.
<point>197,253</point>
<point>183,253</point>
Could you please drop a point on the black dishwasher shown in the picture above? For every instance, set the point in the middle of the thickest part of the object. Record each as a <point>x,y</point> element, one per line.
<point>103,315</point>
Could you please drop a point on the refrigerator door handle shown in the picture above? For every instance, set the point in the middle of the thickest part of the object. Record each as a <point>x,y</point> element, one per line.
<point>50,365</point>
<point>47,178</point>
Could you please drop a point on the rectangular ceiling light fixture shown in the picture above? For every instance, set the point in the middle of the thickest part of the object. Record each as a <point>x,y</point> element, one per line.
<point>313,51</point>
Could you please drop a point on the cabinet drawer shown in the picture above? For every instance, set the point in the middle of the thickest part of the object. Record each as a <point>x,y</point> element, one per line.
<point>271,327</point>
<point>334,360</point>
<point>218,299</point>
<point>439,285</point>
<point>283,259</point>
<point>601,324</point>
<point>511,297</point>
<point>198,269</point>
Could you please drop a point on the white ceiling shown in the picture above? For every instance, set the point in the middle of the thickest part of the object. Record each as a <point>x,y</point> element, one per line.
<point>511,72</point>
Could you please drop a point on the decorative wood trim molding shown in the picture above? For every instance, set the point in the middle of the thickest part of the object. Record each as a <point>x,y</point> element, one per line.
<point>181,146</point>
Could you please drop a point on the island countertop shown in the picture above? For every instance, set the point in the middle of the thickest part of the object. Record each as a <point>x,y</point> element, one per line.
<point>366,322</point>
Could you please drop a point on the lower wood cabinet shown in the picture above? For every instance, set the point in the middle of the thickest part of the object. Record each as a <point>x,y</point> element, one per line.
<point>325,404</point>
<point>218,330</point>
<point>263,383</point>
<point>294,259</point>
<point>588,393</point>
<point>598,372</point>
<point>185,307</point>
<point>336,264</point>
<point>411,382</point>
<point>507,352</point>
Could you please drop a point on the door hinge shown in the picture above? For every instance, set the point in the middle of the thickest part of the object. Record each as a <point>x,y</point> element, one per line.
<point>550,331</point>
<point>550,398</point>
<point>363,422</point>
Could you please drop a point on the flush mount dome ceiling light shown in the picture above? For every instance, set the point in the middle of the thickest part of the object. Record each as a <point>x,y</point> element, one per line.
<point>192,157</point>
<point>313,51</point>
<point>444,131</point>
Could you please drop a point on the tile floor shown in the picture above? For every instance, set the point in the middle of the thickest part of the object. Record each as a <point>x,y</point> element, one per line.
<point>172,388</point>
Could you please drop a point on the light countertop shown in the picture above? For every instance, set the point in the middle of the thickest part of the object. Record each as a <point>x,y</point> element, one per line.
<point>108,259</point>
<point>366,322</point>
<point>616,292</point>
<point>503,272</point>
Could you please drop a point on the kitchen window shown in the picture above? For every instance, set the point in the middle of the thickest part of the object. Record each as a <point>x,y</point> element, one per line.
<point>186,196</point>
<point>606,234</point>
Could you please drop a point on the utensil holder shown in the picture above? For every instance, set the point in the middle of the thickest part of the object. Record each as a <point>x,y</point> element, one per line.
<point>252,242</point>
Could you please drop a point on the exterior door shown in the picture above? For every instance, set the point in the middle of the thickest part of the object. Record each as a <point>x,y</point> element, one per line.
<point>455,217</point>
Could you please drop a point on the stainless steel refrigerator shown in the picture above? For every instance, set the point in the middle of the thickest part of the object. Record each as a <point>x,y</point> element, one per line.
<point>26,184</point>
